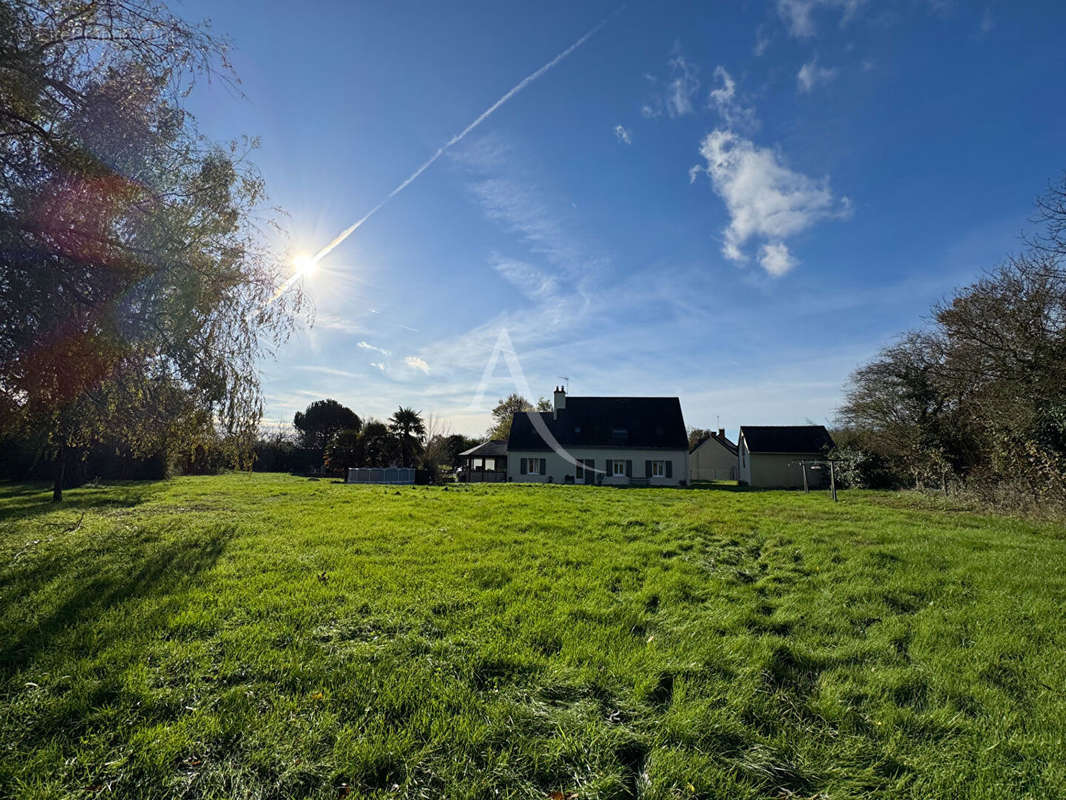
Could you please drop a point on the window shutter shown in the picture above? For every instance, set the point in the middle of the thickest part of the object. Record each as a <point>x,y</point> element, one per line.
<point>669,469</point>
<point>647,468</point>
<point>522,466</point>
<point>543,466</point>
<point>629,468</point>
<point>609,472</point>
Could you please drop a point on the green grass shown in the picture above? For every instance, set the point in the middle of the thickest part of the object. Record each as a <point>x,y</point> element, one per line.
<point>255,636</point>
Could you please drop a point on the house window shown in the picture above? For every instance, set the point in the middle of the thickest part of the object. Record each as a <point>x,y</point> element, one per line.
<point>532,466</point>
<point>658,469</point>
<point>618,468</point>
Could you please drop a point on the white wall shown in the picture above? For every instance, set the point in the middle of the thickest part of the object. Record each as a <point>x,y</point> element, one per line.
<point>557,468</point>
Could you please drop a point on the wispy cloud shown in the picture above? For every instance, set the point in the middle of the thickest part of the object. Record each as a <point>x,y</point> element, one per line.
<point>340,373</point>
<point>416,363</point>
<point>765,199</point>
<point>724,100</point>
<point>367,346</point>
<point>533,282</point>
<point>513,198</point>
<point>798,15</point>
<point>677,94</point>
<point>380,365</point>
<point>762,41</point>
<point>335,322</point>
<point>488,112</point>
<point>987,24</point>
<point>622,134</point>
<point>811,75</point>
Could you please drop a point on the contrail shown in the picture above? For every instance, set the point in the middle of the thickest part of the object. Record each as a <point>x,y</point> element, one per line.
<point>522,84</point>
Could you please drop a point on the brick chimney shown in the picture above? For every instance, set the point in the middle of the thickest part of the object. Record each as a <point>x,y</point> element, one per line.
<point>721,433</point>
<point>560,401</point>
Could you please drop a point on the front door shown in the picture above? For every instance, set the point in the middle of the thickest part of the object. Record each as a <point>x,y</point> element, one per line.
<point>590,476</point>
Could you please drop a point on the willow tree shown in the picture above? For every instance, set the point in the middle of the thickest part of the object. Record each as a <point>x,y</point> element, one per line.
<point>136,288</point>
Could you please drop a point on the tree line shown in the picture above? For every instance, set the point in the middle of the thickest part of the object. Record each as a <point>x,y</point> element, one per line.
<point>976,399</point>
<point>329,438</point>
<point>136,292</point>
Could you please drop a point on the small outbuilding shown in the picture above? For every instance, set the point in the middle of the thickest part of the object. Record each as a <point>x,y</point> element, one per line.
<point>486,463</point>
<point>773,456</point>
<point>713,459</point>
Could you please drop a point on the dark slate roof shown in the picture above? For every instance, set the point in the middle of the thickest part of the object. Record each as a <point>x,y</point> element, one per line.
<point>630,422</point>
<point>722,440</point>
<point>786,438</point>
<point>488,449</point>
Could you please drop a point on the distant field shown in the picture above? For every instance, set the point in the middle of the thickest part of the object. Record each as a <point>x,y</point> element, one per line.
<point>256,636</point>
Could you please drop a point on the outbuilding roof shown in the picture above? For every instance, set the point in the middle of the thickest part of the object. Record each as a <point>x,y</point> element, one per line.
<point>493,447</point>
<point>808,439</point>
<point>721,439</point>
<point>653,423</point>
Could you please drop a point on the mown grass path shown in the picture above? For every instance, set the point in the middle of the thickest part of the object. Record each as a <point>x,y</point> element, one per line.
<point>258,636</point>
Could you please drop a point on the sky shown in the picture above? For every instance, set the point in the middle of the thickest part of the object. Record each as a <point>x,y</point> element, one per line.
<point>733,203</point>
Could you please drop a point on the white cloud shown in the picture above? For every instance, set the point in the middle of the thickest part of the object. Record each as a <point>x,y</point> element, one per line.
<point>368,346</point>
<point>776,259</point>
<point>416,363</point>
<point>810,75</point>
<point>378,364</point>
<point>765,199</point>
<point>622,134</point>
<point>724,101</point>
<point>797,14</point>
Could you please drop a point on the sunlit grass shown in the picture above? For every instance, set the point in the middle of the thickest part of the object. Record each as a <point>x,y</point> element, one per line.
<point>266,636</point>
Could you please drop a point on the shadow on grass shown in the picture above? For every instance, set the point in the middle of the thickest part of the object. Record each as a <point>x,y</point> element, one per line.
<point>721,486</point>
<point>75,589</point>
<point>27,500</point>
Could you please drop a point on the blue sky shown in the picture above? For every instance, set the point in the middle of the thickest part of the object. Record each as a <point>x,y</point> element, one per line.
<point>732,203</point>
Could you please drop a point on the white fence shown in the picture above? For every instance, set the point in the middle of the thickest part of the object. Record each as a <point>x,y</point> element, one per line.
<point>400,475</point>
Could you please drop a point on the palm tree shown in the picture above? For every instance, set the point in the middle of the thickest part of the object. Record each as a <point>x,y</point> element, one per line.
<point>409,427</point>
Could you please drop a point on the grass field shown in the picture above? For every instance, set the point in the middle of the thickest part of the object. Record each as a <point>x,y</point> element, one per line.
<point>258,636</point>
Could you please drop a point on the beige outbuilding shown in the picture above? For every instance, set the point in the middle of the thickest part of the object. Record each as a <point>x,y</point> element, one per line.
<point>713,459</point>
<point>773,456</point>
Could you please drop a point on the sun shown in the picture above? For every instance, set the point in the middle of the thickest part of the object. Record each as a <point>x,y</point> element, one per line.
<point>304,265</point>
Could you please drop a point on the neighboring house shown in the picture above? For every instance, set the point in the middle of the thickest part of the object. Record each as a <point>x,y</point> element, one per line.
<point>770,456</point>
<point>616,440</point>
<point>713,459</point>
<point>486,463</point>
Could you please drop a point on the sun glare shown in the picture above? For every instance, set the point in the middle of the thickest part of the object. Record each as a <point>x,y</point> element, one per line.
<point>304,265</point>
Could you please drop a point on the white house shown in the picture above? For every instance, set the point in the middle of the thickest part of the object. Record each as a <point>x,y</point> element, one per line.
<point>615,441</point>
<point>713,459</point>
<point>771,456</point>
